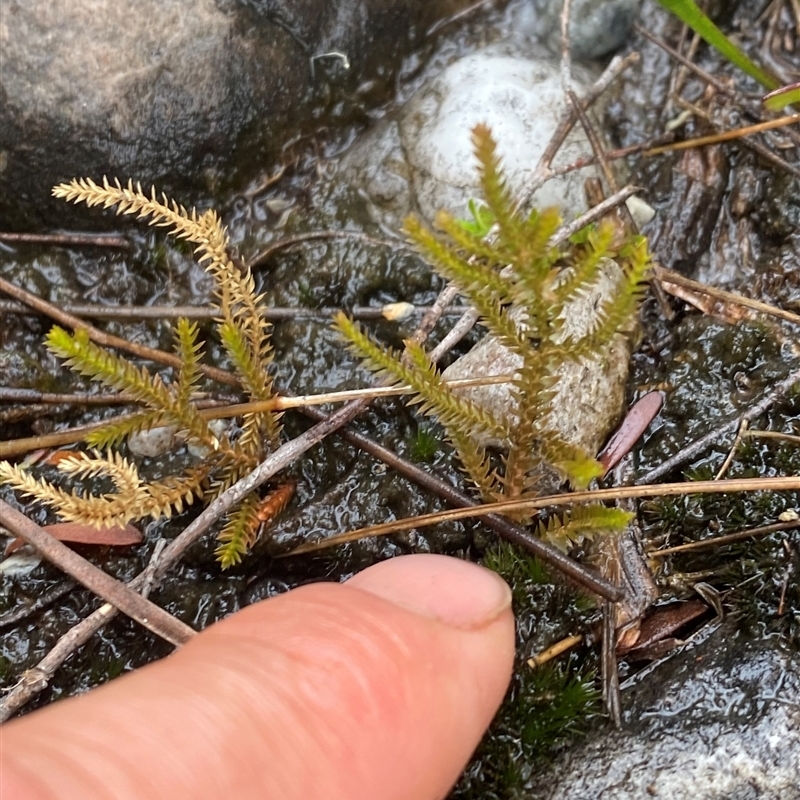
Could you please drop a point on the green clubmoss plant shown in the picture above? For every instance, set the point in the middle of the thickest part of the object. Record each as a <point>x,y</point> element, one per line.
<point>522,286</point>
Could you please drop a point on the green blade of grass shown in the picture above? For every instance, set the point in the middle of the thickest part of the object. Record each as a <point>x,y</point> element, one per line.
<point>688,12</point>
<point>785,96</point>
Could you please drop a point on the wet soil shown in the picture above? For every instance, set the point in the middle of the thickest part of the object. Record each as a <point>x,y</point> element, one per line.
<point>724,215</point>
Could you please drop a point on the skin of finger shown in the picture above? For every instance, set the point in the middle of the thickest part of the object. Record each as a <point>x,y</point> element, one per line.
<point>326,692</point>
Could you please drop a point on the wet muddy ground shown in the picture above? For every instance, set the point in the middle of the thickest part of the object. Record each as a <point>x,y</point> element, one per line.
<point>724,216</point>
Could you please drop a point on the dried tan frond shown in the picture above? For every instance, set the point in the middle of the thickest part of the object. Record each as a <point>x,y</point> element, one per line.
<point>244,331</point>
<point>112,465</point>
<point>106,510</point>
<point>133,499</point>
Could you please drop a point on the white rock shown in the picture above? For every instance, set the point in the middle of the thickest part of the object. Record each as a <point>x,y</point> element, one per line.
<point>423,160</point>
<point>521,100</point>
<point>21,563</point>
<point>641,211</point>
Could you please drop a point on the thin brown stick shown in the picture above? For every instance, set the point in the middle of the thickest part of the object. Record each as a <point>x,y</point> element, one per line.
<point>678,77</point>
<point>611,155</point>
<point>719,85</point>
<point>17,447</point>
<point>732,452</point>
<point>697,447</point>
<point>725,136</point>
<point>594,142</point>
<point>454,335</point>
<point>36,680</point>
<point>796,11</point>
<point>791,554</point>
<point>24,413</point>
<point>200,399</point>
<point>728,538</point>
<point>768,155</point>
<point>115,592</point>
<point>668,276</point>
<point>595,213</point>
<point>788,483</point>
<point>554,651</point>
<point>612,698</point>
<point>106,339</point>
<point>285,402</point>
<point>434,313</point>
<point>122,313</point>
<point>272,314</point>
<point>149,572</point>
<point>9,395</point>
<point>543,172</point>
<point>784,437</point>
<point>43,601</point>
<point>67,240</point>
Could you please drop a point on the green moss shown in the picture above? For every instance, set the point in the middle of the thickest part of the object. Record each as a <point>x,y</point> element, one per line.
<point>424,445</point>
<point>545,709</point>
<point>515,566</point>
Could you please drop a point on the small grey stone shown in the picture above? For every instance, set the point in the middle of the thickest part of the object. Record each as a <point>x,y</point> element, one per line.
<point>597,27</point>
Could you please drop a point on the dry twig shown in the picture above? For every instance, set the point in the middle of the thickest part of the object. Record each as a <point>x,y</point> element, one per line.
<point>115,592</point>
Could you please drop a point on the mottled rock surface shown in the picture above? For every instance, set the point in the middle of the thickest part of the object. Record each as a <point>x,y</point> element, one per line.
<point>589,394</point>
<point>721,719</point>
<point>167,90</point>
<point>597,27</point>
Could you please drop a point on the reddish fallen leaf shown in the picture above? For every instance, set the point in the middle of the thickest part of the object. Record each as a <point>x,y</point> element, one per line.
<point>77,533</point>
<point>55,457</point>
<point>659,627</point>
<point>639,416</point>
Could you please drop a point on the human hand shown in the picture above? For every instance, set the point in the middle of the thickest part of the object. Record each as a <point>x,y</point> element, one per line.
<point>375,689</point>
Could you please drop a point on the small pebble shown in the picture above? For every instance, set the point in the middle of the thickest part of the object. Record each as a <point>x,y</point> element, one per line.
<point>21,563</point>
<point>155,442</point>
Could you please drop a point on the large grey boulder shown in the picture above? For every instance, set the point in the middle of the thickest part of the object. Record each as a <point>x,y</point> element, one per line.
<point>721,719</point>
<point>169,90</point>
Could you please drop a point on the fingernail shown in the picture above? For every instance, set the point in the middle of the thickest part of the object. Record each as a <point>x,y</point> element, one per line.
<point>458,593</point>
